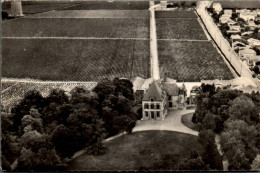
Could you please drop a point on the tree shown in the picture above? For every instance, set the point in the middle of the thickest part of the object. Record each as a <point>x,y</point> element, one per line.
<point>247,28</point>
<point>256,30</point>
<point>243,108</point>
<point>209,121</point>
<point>193,163</point>
<point>256,163</point>
<point>215,17</point>
<point>124,87</point>
<point>57,96</point>
<point>206,137</point>
<point>63,141</point>
<point>256,70</point>
<point>86,127</point>
<point>103,89</point>
<point>32,122</point>
<point>234,16</point>
<point>248,135</point>
<point>32,99</point>
<point>38,153</point>
<point>234,150</point>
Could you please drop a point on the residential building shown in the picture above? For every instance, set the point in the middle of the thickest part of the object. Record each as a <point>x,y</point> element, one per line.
<point>253,61</point>
<point>251,24</point>
<point>217,7</point>
<point>234,29</point>
<point>162,95</point>
<point>246,53</point>
<point>235,37</point>
<point>253,42</point>
<point>248,15</point>
<point>154,104</point>
<point>228,12</point>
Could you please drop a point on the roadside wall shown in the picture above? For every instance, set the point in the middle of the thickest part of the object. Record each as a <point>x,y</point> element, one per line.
<point>240,67</point>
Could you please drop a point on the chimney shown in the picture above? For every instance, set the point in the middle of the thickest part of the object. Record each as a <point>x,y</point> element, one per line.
<point>16,8</point>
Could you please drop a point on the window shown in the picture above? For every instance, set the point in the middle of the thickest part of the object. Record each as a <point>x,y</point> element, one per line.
<point>157,106</point>
<point>169,97</point>
<point>152,99</point>
<point>146,106</point>
<point>152,106</point>
<point>146,114</point>
<point>158,114</point>
<point>152,115</point>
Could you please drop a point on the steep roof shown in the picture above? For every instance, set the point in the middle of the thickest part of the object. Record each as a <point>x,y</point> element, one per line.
<point>154,91</point>
<point>138,83</point>
<point>171,88</point>
<point>147,83</point>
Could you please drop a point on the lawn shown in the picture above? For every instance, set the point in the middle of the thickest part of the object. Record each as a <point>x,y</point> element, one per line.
<point>141,151</point>
<point>76,27</point>
<point>186,120</point>
<point>116,5</point>
<point>170,28</point>
<point>75,60</point>
<point>175,14</point>
<point>94,14</point>
<point>191,61</point>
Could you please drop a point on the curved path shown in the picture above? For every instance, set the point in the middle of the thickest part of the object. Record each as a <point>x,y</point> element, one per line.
<point>172,122</point>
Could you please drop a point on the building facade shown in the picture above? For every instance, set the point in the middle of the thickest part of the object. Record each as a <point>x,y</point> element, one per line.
<point>160,96</point>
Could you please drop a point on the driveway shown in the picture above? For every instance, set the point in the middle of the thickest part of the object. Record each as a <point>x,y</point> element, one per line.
<point>172,122</point>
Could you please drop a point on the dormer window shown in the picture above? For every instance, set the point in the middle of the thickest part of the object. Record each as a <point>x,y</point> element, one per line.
<point>152,99</point>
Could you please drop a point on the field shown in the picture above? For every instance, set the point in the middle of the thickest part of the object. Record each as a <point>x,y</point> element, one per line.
<point>39,7</point>
<point>75,60</point>
<point>141,151</point>
<point>175,14</point>
<point>94,14</point>
<point>171,28</point>
<point>14,94</point>
<point>60,27</point>
<point>119,5</point>
<point>191,61</point>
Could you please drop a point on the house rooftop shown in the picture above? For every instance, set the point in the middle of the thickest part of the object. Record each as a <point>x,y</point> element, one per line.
<point>154,91</point>
<point>247,51</point>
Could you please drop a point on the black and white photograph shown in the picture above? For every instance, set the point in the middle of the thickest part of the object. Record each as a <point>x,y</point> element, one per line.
<point>130,85</point>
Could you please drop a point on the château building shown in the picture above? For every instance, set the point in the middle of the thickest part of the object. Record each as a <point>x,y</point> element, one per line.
<point>158,96</point>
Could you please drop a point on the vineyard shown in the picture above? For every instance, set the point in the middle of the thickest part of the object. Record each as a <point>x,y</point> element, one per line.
<point>75,60</point>
<point>61,27</point>
<point>175,14</point>
<point>14,94</point>
<point>171,28</point>
<point>116,5</point>
<point>5,85</point>
<point>93,14</point>
<point>38,7</point>
<point>191,61</point>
